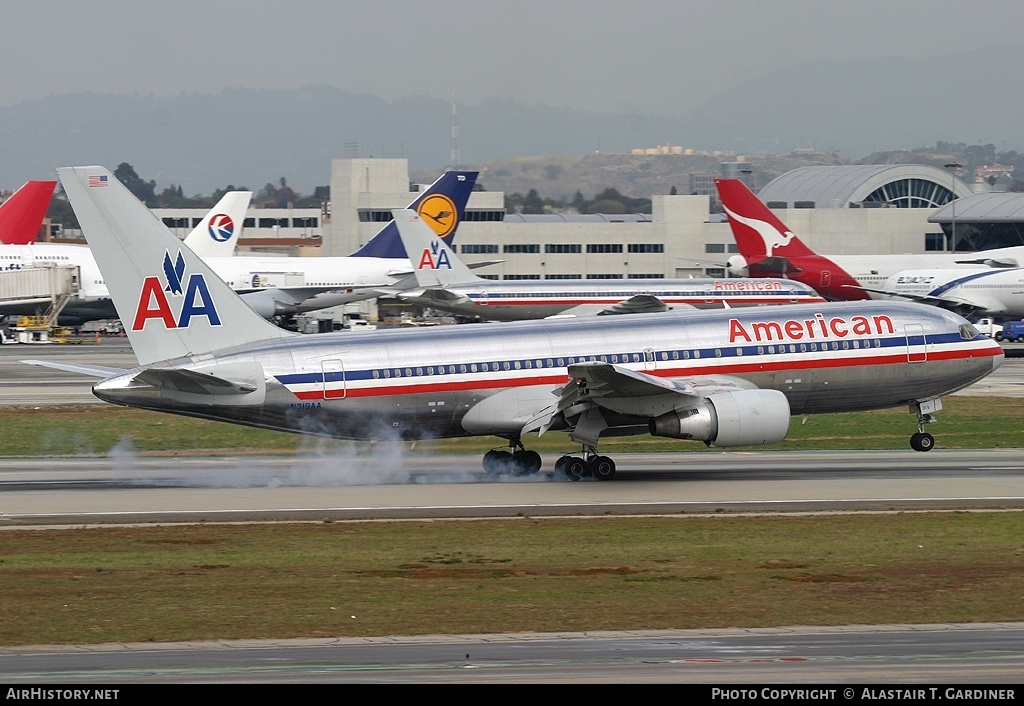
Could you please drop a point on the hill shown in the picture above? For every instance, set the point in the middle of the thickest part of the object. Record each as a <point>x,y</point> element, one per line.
<point>246,137</point>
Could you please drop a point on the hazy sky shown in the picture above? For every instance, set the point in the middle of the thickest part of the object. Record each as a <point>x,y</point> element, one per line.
<point>628,56</point>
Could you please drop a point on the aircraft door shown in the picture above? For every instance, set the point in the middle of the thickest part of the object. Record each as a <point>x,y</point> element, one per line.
<point>333,379</point>
<point>917,350</point>
<point>649,361</point>
<point>826,279</point>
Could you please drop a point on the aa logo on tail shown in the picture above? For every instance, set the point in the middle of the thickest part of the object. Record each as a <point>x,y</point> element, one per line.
<point>434,258</point>
<point>191,298</point>
<point>439,212</point>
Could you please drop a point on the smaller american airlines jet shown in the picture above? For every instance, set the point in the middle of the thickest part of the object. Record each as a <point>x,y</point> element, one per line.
<point>446,283</point>
<point>769,249</point>
<point>723,377</point>
<point>21,216</point>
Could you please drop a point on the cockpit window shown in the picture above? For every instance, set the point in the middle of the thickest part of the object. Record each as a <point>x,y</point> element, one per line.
<point>968,332</point>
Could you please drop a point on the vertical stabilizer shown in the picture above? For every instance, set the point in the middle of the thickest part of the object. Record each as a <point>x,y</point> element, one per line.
<point>218,233</point>
<point>442,205</point>
<point>21,216</point>
<point>759,233</point>
<point>170,302</point>
<point>433,263</point>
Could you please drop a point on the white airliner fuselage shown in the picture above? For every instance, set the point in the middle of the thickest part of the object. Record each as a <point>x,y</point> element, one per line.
<point>331,281</point>
<point>969,292</point>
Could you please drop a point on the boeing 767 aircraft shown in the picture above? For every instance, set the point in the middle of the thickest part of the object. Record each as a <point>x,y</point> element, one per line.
<point>725,378</point>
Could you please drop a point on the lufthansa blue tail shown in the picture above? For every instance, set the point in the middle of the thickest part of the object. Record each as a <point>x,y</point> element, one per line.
<point>442,206</point>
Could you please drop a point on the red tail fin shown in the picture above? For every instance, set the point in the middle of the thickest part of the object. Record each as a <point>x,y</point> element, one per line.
<point>759,234</point>
<point>22,215</point>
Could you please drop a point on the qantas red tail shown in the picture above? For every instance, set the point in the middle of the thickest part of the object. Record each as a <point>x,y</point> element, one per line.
<point>759,234</point>
<point>770,249</point>
<point>21,216</point>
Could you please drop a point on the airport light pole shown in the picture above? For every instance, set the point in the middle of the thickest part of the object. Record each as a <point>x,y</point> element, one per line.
<point>954,169</point>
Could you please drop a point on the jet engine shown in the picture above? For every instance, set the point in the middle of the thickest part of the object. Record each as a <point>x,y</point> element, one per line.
<point>740,418</point>
<point>736,266</point>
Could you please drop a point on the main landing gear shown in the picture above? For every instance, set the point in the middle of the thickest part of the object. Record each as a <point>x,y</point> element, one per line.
<point>517,461</point>
<point>590,464</point>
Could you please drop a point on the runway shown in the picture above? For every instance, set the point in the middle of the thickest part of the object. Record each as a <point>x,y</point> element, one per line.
<point>237,488</point>
<point>839,658</point>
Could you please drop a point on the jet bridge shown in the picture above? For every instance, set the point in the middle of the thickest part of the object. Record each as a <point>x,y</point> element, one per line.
<point>41,291</point>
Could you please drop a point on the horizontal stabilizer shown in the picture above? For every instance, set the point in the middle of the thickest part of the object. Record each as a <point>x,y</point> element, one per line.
<point>95,371</point>
<point>193,382</point>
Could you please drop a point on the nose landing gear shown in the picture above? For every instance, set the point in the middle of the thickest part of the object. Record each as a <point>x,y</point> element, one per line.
<point>922,440</point>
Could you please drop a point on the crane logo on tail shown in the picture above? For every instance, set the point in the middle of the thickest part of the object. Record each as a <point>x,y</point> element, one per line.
<point>770,235</point>
<point>439,212</point>
<point>191,297</point>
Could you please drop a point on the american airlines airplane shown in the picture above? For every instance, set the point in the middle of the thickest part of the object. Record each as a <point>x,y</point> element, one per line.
<point>446,283</point>
<point>21,216</point>
<point>726,378</point>
<point>271,285</point>
<point>769,249</point>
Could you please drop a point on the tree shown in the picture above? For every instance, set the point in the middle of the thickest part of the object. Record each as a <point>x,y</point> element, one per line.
<point>144,191</point>
<point>533,202</point>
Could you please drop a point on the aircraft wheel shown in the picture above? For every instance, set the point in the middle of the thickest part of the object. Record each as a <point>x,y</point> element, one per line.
<point>497,462</point>
<point>922,441</point>
<point>527,462</point>
<point>561,465</point>
<point>575,468</point>
<point>602,468</point>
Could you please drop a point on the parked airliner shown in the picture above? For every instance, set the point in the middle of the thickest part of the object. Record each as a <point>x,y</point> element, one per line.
<point>727,378</point>
<point>271,285</point>
<point>968,292</point>
<point>446,283</point>
<point>769,249</point>
<point>21,215</point>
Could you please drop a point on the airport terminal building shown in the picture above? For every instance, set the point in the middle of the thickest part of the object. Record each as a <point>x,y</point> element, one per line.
<point>860,209</point>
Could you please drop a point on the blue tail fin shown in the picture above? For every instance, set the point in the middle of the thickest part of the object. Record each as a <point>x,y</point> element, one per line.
<point>443,206</point>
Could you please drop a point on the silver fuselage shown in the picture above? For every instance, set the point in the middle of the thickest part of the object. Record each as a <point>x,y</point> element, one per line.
<point>420,383</point>
<point>529,299</point>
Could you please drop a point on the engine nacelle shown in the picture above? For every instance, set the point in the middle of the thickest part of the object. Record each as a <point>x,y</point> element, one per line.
<point>737,266</point>
<point>262,303</point>
<point>740,418</point>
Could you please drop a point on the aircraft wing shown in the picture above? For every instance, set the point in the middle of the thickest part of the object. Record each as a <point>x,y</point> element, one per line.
<point>96,371</point>
<point>963,307</point>
<point>435,294</point>
<point>991,262</point>
<point>777,265</point>
<point>595,388</point>
<point>637,304</point>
